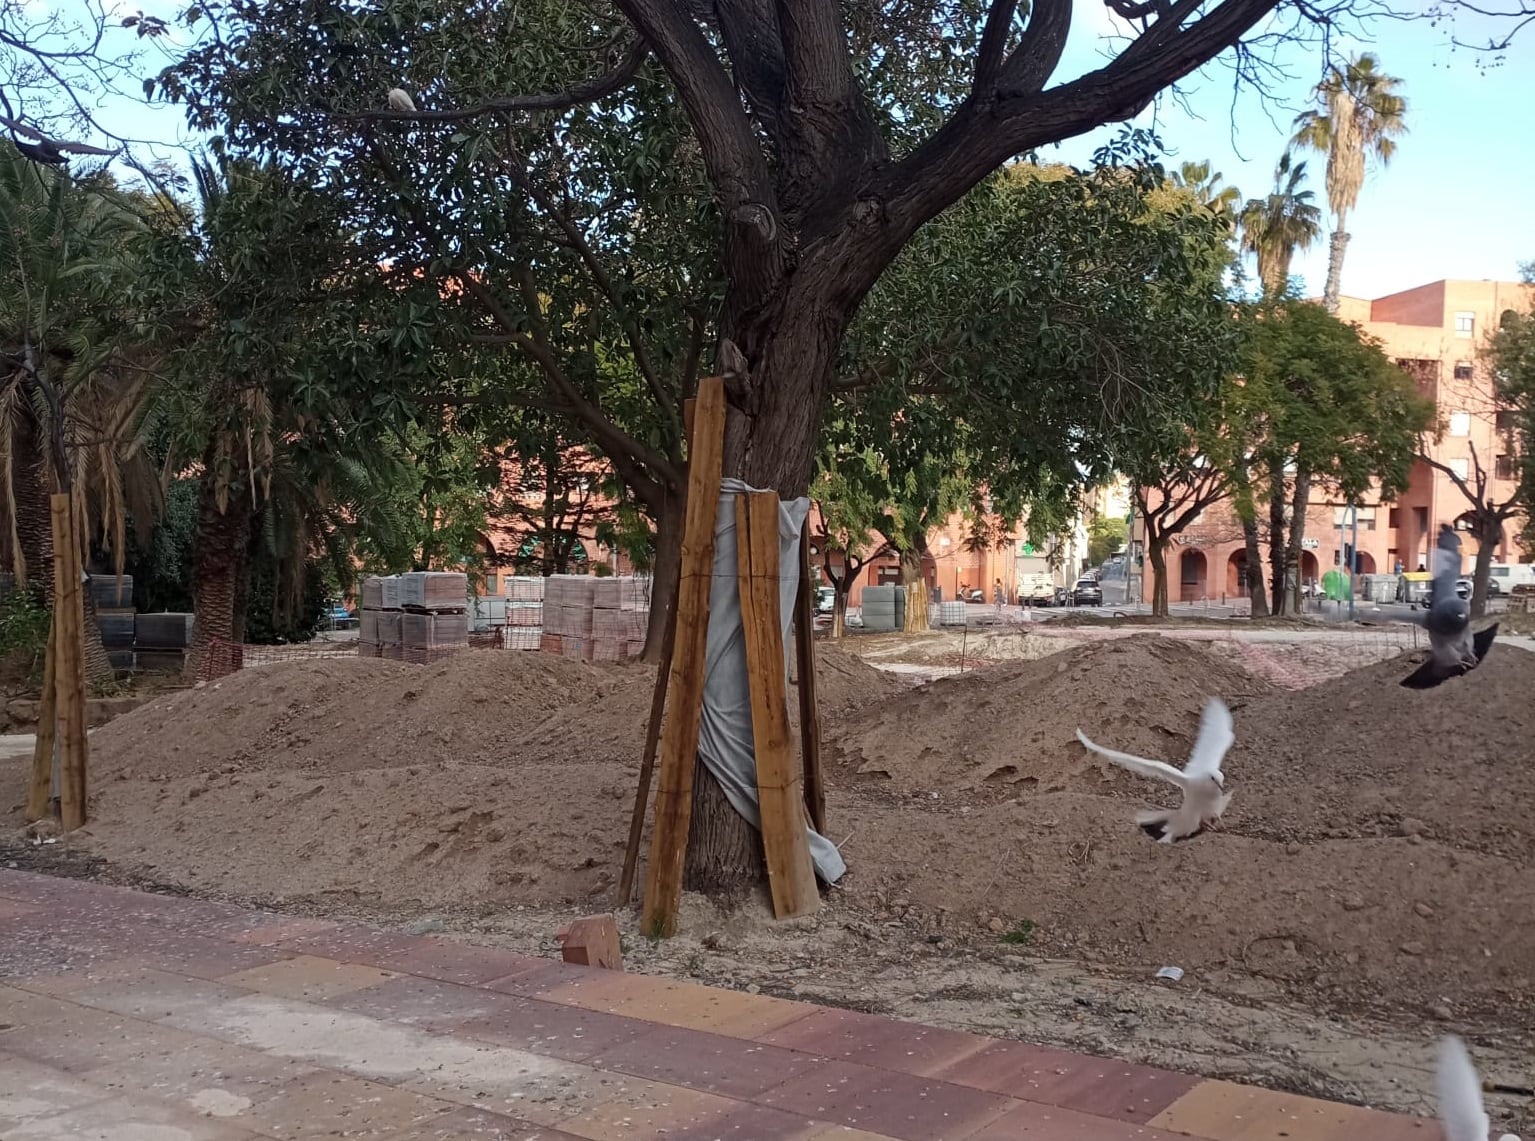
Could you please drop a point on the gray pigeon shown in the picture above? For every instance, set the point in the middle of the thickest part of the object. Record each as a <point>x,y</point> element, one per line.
<point>52,152</point>
<point>1453,648</point>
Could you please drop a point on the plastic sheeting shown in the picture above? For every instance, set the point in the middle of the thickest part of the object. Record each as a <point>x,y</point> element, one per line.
<point>725,742</point>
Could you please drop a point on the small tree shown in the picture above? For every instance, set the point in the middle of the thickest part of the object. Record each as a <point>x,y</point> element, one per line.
<point>1510,354</point>
<point>1484,516</point>
<point>1105,535</point>
<point>847,499</point>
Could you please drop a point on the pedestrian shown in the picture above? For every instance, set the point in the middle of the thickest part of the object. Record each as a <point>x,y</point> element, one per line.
<point>996,595</point>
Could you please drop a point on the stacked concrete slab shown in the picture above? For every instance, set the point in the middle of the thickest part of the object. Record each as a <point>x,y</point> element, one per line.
<point>594,619</point>
<point>414,617</point>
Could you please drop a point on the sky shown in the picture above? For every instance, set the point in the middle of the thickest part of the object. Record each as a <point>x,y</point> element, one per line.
<point>1453,203</point>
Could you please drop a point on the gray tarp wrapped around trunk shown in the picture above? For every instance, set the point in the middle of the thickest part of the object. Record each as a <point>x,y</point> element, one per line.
<point>725,742</point>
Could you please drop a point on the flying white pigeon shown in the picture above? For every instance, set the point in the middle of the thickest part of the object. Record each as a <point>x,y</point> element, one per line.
<point>1460,1095</point>
<point>400,100</point>
<point>1203,784</point>
<point>1453,649</point>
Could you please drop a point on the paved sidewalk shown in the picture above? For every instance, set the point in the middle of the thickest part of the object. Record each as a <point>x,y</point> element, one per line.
<point>134,1017</point>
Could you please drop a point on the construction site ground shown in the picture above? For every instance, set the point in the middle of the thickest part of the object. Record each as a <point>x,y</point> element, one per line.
<point>1370,888</point>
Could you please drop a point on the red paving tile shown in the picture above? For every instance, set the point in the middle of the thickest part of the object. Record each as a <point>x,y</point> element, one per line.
<point>897,1105</point>
<point>118,984</point>
<point>1100,1086</point>
<point>709,1062</point>
<point>882,1042</point>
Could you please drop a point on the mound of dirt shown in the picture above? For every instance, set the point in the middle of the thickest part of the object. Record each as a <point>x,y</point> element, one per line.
<point>1363,757</point>
<point>1377,851</point>
<point>497,777</point>
<point>1012,727</point>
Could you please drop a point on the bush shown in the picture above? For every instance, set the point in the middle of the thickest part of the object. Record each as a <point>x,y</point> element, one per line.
<point>24,622</point>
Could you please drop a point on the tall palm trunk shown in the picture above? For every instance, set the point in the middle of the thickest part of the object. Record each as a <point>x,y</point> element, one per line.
<point>220,566</point>
<point>1336,248</point>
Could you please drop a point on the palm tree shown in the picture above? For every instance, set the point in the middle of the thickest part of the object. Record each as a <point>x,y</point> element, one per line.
<point>1274,228</point>
<point>1361,118</point>
<point>74,376</point>
<point>1208,187</point>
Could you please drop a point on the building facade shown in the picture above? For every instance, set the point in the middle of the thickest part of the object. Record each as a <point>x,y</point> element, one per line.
<point>1435,333</point>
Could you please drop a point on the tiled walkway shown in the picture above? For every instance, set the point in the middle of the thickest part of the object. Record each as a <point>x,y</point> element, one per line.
<point>134,1017</point>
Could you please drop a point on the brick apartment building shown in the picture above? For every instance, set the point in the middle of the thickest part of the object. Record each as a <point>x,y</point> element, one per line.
<point>1434,332</point>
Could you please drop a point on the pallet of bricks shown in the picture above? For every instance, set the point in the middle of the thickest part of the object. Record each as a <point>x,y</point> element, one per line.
<point>594,619</point>
<point>416,617</point>
<point>524,613</point>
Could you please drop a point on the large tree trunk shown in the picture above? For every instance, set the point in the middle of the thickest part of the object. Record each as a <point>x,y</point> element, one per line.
<point>665,572</point>
<point>1336,248</point>
<point>1489,533</point>
<point>839,608</point>
<point>771,431</point>
<point>1300,498</point>
<point>1277,586</point>
<point>1156,551</point>
<point>1255,592</point>
<point>220,560</point>
<point>916,590</point>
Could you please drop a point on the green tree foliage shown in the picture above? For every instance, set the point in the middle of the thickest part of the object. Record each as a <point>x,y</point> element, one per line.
<point>1105,536</point>
<point>1020,348</point>
<point>1510,355</point>
<point>291,367</point>
<point>1324,406</point>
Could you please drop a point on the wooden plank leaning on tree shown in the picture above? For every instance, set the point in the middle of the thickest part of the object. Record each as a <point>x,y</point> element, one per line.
<point>685,683</point>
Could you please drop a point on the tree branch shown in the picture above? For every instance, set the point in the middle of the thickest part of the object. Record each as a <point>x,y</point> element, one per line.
<point>1039,50</point>
<point>989,56</point>
<point>599,88</point>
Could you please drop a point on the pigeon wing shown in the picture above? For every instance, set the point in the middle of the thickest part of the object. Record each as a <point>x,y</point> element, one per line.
<point>1460,1094</point>
<point>1216,737</point>
<point>1428,675</point>
<point>1156,770</point>
<point>83,149</point>
<point>1482,641</point>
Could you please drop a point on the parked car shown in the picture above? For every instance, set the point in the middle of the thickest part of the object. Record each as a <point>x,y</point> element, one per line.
<point>339,616</point>
<point>825,600</point>
<point>1087,592</point>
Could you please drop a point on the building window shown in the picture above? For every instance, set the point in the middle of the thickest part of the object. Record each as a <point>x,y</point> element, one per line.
<point>490,584</point>
<point>1460,424</point>
<point>1506,467</point>
<point>1395,519</point>
<point>1463,370</point>
<point>1461,467</point>
<point>1465,324</point>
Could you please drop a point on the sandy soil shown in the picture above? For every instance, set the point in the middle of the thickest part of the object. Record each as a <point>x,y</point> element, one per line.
<point>1371,886</point>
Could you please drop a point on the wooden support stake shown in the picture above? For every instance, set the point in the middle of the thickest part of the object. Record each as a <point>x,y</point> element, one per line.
<point>69,668</point>
<point>41,790</point>
<point>685,685</point>
<point>780,794</point>
<point>809,712</point>
<point>652,732</point>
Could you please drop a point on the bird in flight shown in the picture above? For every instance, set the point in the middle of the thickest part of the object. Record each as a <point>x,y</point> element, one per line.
<point>50,152</point>
<point>1453,649</point>
<point>1201,780</point>
<point>1460,1095</point>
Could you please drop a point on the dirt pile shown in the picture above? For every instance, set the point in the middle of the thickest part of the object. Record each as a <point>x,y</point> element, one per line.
<point>1362,757</point>
<point>496,777</point>
<point>1012,727</point>
<point>1378,850</point>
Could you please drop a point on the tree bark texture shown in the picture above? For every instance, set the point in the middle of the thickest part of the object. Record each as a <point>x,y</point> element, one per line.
<point>1277,589</point>
<point>1489,533</point>
<point>220,560</point>
<point>916,590</point>
<point>664,573</point>
<point>1255,592</point>
<point>1156,551</point>
<point>1299,500</point>
<point>1336,248</point>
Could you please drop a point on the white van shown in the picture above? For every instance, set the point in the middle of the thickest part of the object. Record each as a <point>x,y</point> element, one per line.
<point>1503,577</point>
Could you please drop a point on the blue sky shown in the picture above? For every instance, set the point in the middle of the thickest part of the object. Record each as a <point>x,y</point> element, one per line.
<point>1452,204</point>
